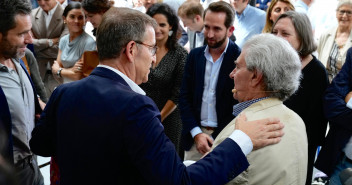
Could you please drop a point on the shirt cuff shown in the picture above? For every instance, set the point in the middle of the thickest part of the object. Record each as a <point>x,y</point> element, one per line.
<point>243,141</point>
<point>349,103</point>
<point>195,131</point>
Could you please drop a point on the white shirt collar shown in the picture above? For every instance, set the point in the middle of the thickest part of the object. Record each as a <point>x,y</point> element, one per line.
<point>130,83</point>
<point>51,12</point>
<point>207,53</point>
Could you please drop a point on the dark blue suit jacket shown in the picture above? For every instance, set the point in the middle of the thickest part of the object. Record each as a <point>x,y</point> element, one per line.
<point>102,132</point>
<point>5,118</point>
<point>192,91</point>
<point>339,116</point>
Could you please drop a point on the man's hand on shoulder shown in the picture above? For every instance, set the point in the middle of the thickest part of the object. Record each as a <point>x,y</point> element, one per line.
<point>262,132</point>
<point>203,142</point>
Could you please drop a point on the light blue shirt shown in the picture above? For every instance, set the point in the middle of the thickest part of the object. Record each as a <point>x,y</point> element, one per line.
<point>301,7</point>
<point>208,114</point>
<point>249,23</point>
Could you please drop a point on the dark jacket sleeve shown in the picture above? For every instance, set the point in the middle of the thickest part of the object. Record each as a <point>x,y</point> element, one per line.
<point>156,159</point>
<point>187,101</point>
<point>35,75</point>
<point>43,141</point>
<point>334,102</point>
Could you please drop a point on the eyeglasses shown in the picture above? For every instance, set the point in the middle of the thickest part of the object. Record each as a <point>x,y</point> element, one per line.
<point>348,13</point>
<point>152,49</point>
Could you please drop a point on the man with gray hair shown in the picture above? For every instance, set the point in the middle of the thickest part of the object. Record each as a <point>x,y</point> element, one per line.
<point>268,72</point>
<point>105,120</point>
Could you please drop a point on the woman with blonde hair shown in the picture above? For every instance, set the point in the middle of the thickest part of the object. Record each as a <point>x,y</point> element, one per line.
<point>276,8</point>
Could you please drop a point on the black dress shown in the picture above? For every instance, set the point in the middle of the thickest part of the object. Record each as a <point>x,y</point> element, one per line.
<point>307,102</point>
<point>164,84</point>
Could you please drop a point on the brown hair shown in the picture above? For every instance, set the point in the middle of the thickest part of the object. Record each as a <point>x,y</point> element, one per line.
<point>190,9</point>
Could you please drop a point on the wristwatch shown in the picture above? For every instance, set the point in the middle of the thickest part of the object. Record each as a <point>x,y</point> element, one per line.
<point>59,73</point>
<point>51,43</point>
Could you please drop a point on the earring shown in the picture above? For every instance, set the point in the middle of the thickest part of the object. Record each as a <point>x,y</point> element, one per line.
<point>170,33</point>
<point>64,22</point>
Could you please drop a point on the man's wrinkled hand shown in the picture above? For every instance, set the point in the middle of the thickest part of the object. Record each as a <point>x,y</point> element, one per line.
<point>203,143</point>
<point>262,132</point>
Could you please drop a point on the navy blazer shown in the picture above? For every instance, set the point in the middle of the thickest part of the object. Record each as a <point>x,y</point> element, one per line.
<point>192,91</point>
<point>102,132</point>
<point>339,117</point>
<point>5,119</point>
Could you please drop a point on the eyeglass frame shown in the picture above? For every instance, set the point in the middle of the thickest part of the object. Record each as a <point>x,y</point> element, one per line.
<point>342,12</point>
<point>152,48</point>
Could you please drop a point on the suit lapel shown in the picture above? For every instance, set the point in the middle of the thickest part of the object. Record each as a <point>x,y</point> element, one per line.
<point>200,72</point>
<point>39,24</point>
<point>226,64</point>
<point>55,21</point>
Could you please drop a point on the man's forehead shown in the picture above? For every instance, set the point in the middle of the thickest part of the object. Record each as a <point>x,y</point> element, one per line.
<point>215,17</point>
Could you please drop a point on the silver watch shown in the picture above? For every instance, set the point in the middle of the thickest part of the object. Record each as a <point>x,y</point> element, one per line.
<point>59,73</point>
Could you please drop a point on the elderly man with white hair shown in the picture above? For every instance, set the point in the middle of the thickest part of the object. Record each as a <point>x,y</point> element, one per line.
<point>268,72</point>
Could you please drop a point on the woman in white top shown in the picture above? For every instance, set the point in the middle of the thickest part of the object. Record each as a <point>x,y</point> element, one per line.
<point>333,44</point>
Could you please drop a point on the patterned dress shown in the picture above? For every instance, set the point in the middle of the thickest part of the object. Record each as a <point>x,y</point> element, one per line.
<point>164,84</point>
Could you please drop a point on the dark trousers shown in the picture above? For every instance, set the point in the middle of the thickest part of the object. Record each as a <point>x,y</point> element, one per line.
<point>312,149</point>
<point>28,173</point>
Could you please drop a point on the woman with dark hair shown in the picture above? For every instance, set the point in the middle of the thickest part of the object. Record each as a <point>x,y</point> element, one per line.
<point>94,10</point>
<point>73,45</point>
<point>166,74</point>
<point>307,102</point>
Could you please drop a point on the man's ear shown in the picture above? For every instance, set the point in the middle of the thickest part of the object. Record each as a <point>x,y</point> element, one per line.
<point>230,32</point>
<point>198,18</point>
<point>257,78</point>
<point>131,50</point>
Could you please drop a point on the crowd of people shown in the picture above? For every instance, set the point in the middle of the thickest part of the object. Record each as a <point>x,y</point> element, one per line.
<point>185,92</point>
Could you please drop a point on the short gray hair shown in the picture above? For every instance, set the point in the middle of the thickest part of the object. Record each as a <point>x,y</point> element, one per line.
<point>118,27</point>
<point>277,60</point>
<point>342,3</point>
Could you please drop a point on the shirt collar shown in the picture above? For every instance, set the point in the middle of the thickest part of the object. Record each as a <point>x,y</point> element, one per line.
<point>5,68</point>
<point>244,13</point>
<point>51,12</point>
<point>304,5</point>
<point>207,53</point>
<point>130,83</point>
<point>239,107</point>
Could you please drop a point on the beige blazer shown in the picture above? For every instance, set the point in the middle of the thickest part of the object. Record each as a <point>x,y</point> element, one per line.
<point>282,164</point>
<point>325,44</point>
<point>41,34</point>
